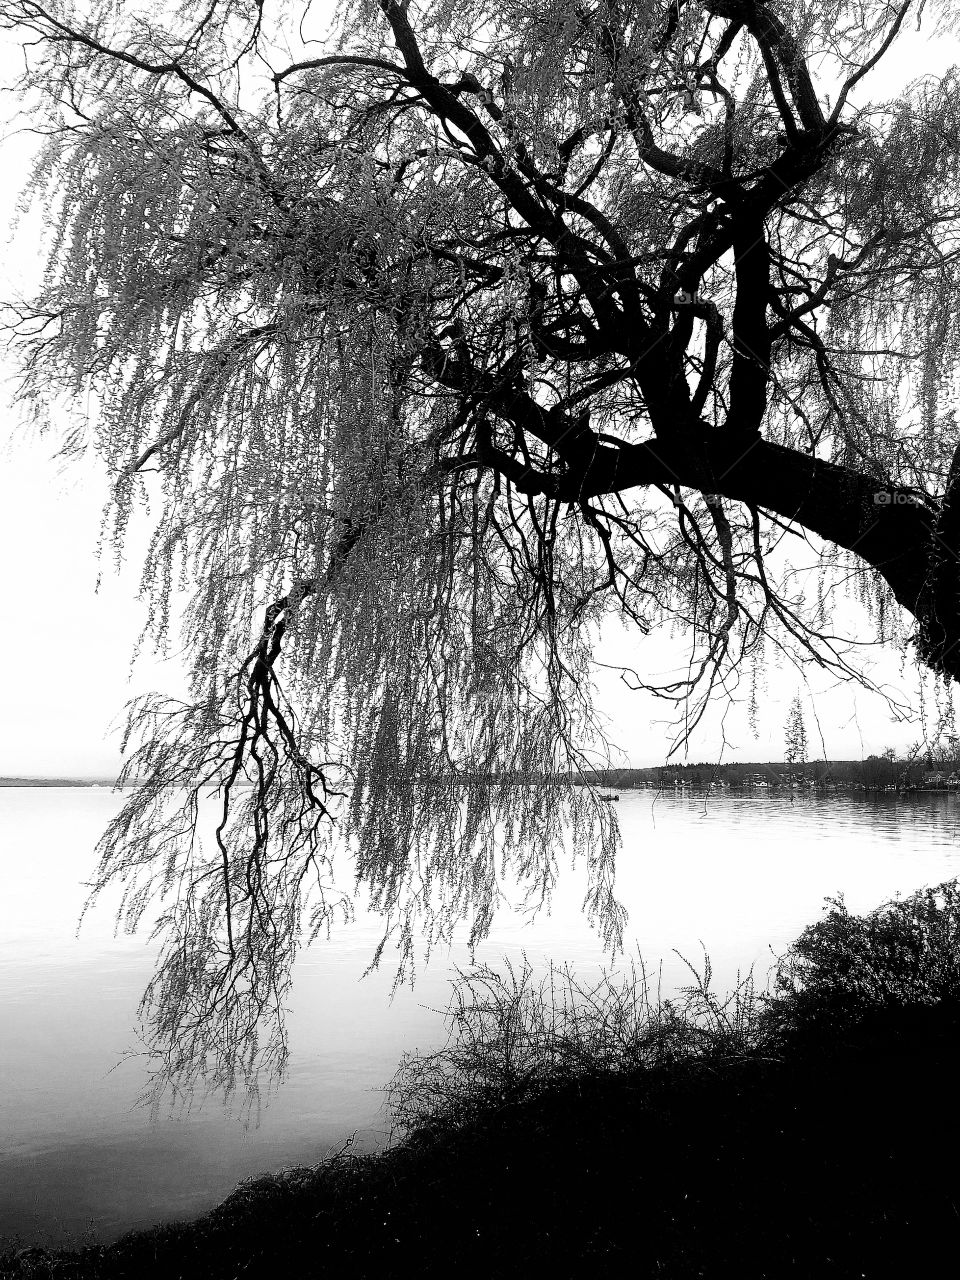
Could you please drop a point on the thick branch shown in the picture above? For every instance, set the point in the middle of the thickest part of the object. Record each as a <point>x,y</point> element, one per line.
<point>751,337</point>
<point>939,636</point>
<point>882,524</point>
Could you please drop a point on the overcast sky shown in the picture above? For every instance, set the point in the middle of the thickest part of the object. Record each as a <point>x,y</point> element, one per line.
<point>65,649</point>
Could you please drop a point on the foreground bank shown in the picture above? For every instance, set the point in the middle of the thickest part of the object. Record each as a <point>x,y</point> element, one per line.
<point>571,1132</point>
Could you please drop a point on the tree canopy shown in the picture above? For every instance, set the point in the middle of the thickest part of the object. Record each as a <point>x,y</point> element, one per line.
<point>434,339</point>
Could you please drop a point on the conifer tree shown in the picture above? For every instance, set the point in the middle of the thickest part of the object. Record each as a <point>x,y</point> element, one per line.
<point>795,738</point>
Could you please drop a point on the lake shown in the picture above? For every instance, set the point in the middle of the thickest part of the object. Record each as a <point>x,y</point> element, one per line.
<point>80,1160</point>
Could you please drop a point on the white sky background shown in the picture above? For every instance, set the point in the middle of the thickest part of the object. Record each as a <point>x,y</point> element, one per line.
<point>65,650</point>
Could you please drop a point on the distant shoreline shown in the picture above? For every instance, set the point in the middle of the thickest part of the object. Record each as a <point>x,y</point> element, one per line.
<point>685,779</point>
<point>58,782</point>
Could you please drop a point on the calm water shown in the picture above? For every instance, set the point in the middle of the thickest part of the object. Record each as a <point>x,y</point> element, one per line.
<point>79,1157</point>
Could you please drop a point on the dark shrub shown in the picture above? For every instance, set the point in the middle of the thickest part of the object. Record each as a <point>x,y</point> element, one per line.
<point>846,969</point>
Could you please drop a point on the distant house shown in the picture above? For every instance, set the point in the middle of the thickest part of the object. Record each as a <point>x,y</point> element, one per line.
<point>934,778</point>
<point>954,780</point>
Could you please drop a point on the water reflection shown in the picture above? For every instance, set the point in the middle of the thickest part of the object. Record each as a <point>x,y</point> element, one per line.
<point>741,874</point>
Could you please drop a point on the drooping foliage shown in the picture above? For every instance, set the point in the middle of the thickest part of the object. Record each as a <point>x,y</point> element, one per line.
<point>435,338</point>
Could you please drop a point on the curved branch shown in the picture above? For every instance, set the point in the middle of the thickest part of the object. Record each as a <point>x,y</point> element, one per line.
<point>881,523</point>
<point>858,75</point>
<point>339,60</point>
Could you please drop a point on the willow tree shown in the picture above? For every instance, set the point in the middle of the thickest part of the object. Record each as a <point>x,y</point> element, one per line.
<point>434,342</point>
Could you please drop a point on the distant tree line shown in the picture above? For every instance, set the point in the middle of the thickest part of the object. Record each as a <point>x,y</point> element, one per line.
<point>886,769</point>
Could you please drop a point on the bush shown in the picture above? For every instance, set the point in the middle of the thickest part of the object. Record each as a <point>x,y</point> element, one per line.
<point>511,1037</point>
<point>845,967</point>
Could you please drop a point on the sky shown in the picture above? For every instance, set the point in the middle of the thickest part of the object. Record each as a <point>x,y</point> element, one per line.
<point>66,646</point>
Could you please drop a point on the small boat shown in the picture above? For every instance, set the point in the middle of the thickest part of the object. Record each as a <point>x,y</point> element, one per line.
<point>609,799</point>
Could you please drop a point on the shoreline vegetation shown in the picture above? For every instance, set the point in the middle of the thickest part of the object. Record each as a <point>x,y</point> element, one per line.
<point>885,772</point>
<point>875,773</point>
<point>565,1130</point>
